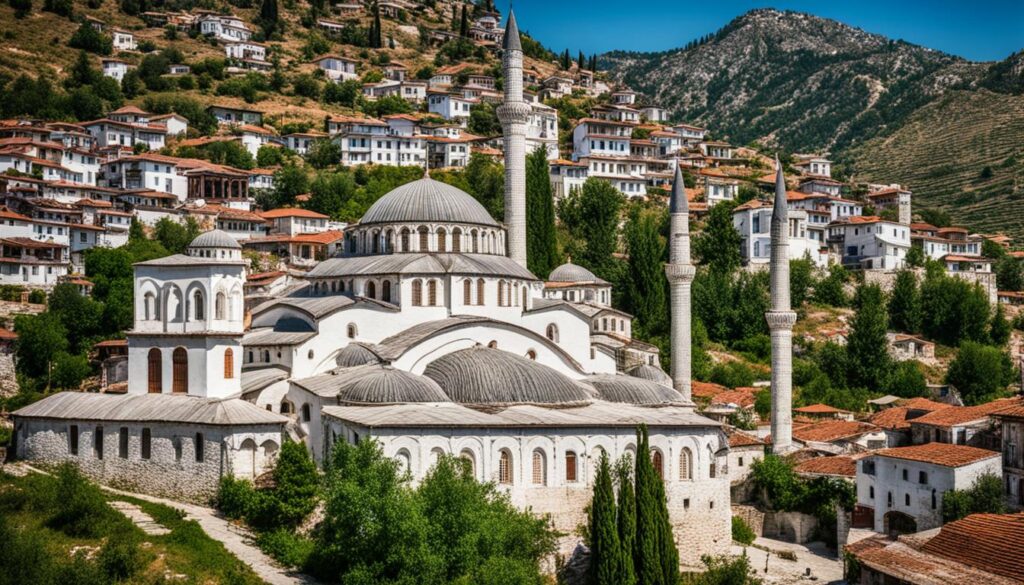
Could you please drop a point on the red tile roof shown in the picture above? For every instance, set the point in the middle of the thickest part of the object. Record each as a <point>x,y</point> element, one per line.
<point>921,403</point>
<point>741,397</point>
<point>738,438</point>
<point>961,415</point>
<point>842,465</point>
<point>7,335</point>
<point>894,418</point>
<point>819,409</point>
<point>832,430</point>
<point>939,454</point>
<point>706,389</point>
<point>991,542</point>
<point>291,212</point>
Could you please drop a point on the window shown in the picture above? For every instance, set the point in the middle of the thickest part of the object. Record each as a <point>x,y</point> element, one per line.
<point>539,468</point>
<point>229,364</point>
<point>424,239</point>
<point>305,413</point>
<point>147,443</point>
<point>871,492</point>
<point>501,293</point>
<point>712,464</point>
<point>122,443</point>
<point>432,293</point>
<point>888,499</point>
<point>658,462</point>
<point>531,355</point>
<point>868,467</point>
<point>934,500</point>
<point>417,293</point>
<point>505,468</point>
<point>906,474</point>
<point>200,447</point>
<point>405,240</point>
<point>906,499</point>
<point>200,310</point>
<point>686,503</point>
<point>219,306</point>
<point>740,462</point>
<point>480,291</point>
<point>386,291</point>
<point>179,379</point>
<point>570,466</point>
<point>922,477</point>
<point>457,241</point>
<point>552,332</point>
<point>97,442</point>
<point>442,240</point>
<point>467,292</point>
<point>73,439</point>
<point>155,371</point>
<point>352,332</point>
<point>177,448</point>
<point>371,290</point>
<point>685,465</point>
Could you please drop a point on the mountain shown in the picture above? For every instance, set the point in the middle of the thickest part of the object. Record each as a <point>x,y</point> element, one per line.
<point>884,108</point>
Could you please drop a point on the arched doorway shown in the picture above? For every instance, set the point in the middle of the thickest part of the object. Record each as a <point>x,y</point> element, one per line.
<point>179,376</point>
<point>897,523</point>
<point>245,460</point>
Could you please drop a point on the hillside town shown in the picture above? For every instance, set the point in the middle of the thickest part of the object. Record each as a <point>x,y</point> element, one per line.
<point>506,265</point>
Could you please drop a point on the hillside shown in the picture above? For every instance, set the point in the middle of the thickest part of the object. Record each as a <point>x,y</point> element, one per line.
<point>894,111</point>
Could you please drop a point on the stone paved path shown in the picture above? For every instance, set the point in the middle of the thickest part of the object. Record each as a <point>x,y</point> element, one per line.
<point>824,566</point>
<point>140,518</point>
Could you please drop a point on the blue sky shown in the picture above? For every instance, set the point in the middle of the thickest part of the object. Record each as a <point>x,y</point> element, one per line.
<point>982,30</point>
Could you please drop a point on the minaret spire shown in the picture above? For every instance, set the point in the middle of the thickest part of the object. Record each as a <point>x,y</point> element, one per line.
<point>514,113</point>
<point>781,318</point>
<point>680,272</point>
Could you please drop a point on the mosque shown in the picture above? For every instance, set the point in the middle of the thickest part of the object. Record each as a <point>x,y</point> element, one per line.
<point>427,334</point>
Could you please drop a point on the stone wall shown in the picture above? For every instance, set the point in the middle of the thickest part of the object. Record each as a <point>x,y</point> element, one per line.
<point>752,516</point>
<point>886,279</point>
<point>165,473</point>
<point>789,526</point>
<point>8,379</point>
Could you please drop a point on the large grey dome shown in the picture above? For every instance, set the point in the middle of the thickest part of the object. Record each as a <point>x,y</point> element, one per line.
<point>490,376</point>
<point>652,373</point>
<point>632,390</point>
<point>386,385</point>
<point>570,272</point>
<point>355,354</point>
<point>427,200</point>
<point>215,239</point>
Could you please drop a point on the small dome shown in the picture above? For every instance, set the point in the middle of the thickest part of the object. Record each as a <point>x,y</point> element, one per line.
<point>215,239</point>
<point>627,389</point>
<point>427,200</point>
<point>570,272</point>
<point>652,373</point>
<point>355,354</point>
<point>491,376</point>
<point>386,385</point>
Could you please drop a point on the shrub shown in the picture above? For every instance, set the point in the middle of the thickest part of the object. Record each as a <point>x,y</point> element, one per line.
<point>37,297</point>
<point>121,557</point>
<point>235,497</point>
<point>732,374</point>
<point>286,547</point>
<point>81,509</point>
<point>741,532</point>
<point>89,39</point>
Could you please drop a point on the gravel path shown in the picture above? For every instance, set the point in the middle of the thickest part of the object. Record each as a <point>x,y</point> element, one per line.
<point>823,565</point>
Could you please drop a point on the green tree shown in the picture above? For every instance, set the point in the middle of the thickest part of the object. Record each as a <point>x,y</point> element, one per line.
<point>985,496</point>
<point>718,244</point>
<point>483,120</point>
<point>867,345</point>
<point>905,303</point>
<point>607,562</point>
<point>80,315</point>
<point>330,192</point>
<point>269,156</point>
<point>725,570</point>
<point>1010,273</point>
<point>980,372</point>
<point>40,339</point>
<point>541,248</point>
<point>953,310</point>
<point>346,93</point>
<point>907,380</point>
<point>464,23</point>
<point>592,214</point>
<point>296,482</point>
<point>830,290</point>
<point>22,8</point>
<point>645,283</point>
<point>647,548</point>
<point>323,153</point>
<point>269,19</point>
<point>173,236</point>
<point>289,182</point>
<point>82,72</point>
<point>1000,329</point>
<point>801,277</point>
<point>89,39</point>
<point>915,257</point>
<point>626,522</point>
<point>69,370</point>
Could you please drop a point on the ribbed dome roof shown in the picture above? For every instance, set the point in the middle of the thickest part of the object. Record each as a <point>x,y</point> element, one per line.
<point>490,376</point>
<point>633,390</point>
<point>652,373</point>
<point>427,200</point>
<point>570,272</point>
<point>355,354</point>
<point>215,239</point>
<point>386,385</point>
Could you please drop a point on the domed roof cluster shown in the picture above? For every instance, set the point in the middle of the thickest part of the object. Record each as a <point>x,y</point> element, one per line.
<point>215,239</point>
<point>570,272</point>
<point>627,389</point>
<point>427,200</point>
<point>354,354</point>
<point>651,373</point>
<point>386,385</point>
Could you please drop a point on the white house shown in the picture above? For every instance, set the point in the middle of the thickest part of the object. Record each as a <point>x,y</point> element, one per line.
<point>176,124</point>
<point>115,68</point>
<point>123,40</point>
<point>810,164</point>
<point>566,175</point>
<point>592,136</point>
<point>654,114</point>
<point>224,28</point>
<point>753,222</point>
<point>719,187</point>
<point>870,242</point>
<point>449,106</point>
<point>337,68</point>
<point>903,487</point>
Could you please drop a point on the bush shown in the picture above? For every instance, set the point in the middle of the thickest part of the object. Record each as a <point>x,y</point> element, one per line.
<point>81,509</point>
<point>235,497</point>
<point>732,374</point>
<point>286,547</point>
<point>121,557</point>
<point>89,39</point>
<point>741,532</point>
<point>37,297</point>
<point>985,496</point>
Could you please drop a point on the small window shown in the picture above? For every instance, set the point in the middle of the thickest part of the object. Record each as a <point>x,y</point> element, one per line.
<point>934,500</point>
<point>570,466</point>
<point>122,443</point>
<point>305,413</point>
<point>906,499</point>
<point>922,477</point>
<point>871,492</point>
<point>740,462</point>
<point>686,503</point>
<point>505,468</point>
<point>539,468</point>
<point>906,474</point>
<point>229,364</point>
<point>73,439</point>
<point>309,354</point>
<point>147,443</point>
<point>659,463</point>
<point>97,442</point>
<point>200,447</point>
<point>177,448</point>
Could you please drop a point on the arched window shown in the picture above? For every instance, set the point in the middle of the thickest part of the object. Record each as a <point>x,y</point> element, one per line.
<point>179,379</point>
<point>220,306</point>
<point>402,457</point>
<point>149,307</point>
<point>658,462</point>
<point>371,289</point>
<point>386,291</point>
<point>552,332</point>
<point>250,358</point>
<point>405,240</point>
<point>432,293</point>
<point>476,241</point>
<point>531,355</point>
<point>712,465</point>
<point>352,331</point>
<point>540,471</point>
<point>442,240</point>
<point>286,407</point>
<point>456,240</point>
<point>492,344</point>
<point>571,470</point>
<point>505,467</point>
<point>467,456</point>
<point>156,383</point>
<point>501,293</point>
<point>375,245</point>
<point>199,312</point>
<point>467,292</point>
<point>266,355</point>
<point>334,286</point>
<point>494,244</point>
<point>524,298</point>
<point>229,364</point>
<point>417,293</point>
<point>685,465</point>
<point>480,291</point>
<point>424,239</point>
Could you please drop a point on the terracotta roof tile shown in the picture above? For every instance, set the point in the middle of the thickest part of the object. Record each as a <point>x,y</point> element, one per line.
<point>960,415</point>
<point>991,542</point>
<point>921,403</point>
<point>706,389</point>
<point>819,409</point>
<point>894,418</point>
<point>939,454</point>
<point>842,465</point>
<point>291,212</point>
<point>832,430</point>
<point>738,438</point>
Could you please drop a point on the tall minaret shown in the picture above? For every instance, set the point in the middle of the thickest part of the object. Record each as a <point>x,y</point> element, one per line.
<point>780,321</point>
<point>513,115</point>
<point>680,273</point>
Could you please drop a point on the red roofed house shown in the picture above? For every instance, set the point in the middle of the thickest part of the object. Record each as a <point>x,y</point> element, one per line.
<point>744,449</point>
<point>824,411</point>
<point>962,425</point>
<point>1011,425</point>
<point>905,486</point>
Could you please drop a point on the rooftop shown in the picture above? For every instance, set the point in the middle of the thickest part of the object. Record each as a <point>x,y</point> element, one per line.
<point>942,454</point>
<point>839,465</point>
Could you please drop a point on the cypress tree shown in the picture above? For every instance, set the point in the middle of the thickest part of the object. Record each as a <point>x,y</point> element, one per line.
<point>566,60</point>
<point>867,345</point>
<point>647,550</point>
<point>905,304</point>
<point>593,63</point>
<point>667,541</point>
<point>455,18</point>
<point>541,248</point>
<point>581,61</point>
<point>645,287</point>
<point>627,520</point>
<point>269,17</point>
<point>464,23</point>
<point>606,560</point>
<point>375,37</point>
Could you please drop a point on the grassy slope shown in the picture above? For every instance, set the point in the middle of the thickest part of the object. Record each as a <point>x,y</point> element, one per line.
<point>940,154</point>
